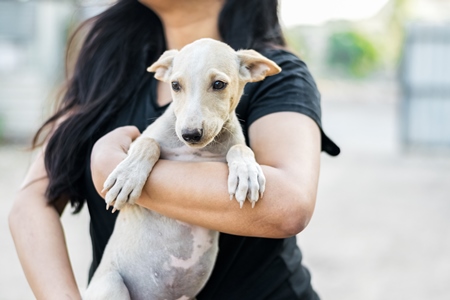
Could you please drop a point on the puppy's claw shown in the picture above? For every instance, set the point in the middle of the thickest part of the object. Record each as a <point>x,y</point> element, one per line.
<point>107,206</point>
<point>231,196</point>
<point>253,204</point>
<point>241,204</point>
<point>114,210</point>
<point>108,184</point>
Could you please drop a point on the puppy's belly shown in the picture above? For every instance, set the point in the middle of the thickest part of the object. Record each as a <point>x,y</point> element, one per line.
<point>162,257</point>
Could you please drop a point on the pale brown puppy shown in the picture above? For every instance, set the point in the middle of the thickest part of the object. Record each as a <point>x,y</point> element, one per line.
<point>150,256</point>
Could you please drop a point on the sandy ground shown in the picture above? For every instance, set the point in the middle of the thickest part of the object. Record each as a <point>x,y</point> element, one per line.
<point>381,229</point>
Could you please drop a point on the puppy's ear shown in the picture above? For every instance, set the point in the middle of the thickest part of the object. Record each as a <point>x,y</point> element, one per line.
<point>163,66</point>
<point>255,67</point>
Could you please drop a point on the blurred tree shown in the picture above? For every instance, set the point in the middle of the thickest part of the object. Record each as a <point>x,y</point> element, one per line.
<point>400,13</point>
<point>355,49</point>
<point>352,53</point>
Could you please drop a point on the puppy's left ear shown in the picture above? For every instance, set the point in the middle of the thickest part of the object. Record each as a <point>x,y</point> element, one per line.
<point>163,66</point>
<point>255,67</point>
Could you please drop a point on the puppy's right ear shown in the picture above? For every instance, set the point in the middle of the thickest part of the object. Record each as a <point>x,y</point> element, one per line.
<point>163,66</point>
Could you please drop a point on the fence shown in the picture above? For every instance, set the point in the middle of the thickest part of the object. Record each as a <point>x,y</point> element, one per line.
<point>425,82</point>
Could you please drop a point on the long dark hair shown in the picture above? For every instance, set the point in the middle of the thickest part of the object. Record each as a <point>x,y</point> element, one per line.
<point>121,43</point>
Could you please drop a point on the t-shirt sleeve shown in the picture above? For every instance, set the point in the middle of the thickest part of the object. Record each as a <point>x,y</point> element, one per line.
<point>292,90</point>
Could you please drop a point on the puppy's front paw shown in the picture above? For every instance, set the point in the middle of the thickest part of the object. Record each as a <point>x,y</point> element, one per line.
<point>125,183</point>
<point>245,179</point>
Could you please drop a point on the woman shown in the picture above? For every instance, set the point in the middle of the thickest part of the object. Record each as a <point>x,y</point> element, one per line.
<point>258,257</point>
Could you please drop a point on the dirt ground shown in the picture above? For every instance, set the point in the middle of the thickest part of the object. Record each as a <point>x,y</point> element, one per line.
<point>380,230</point>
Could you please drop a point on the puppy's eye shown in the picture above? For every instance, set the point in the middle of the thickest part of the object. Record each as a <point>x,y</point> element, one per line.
<point>218,85</point>
<point>176,86</point>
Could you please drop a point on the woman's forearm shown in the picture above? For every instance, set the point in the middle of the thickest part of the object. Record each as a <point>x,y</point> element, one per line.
<point>41,247</point>
<point>182,191</point>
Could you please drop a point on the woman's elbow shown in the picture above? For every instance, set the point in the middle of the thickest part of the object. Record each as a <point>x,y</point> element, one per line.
<point>294,225</point>
<point>16,216</point>
<point>13,216</point>
<point>296,215</point>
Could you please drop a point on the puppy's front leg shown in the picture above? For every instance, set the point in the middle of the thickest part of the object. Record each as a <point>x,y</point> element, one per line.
<point>125,183</point>
<point>245,178</point>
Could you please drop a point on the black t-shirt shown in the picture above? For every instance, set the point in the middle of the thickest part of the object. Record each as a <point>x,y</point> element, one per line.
<point>246,267</point>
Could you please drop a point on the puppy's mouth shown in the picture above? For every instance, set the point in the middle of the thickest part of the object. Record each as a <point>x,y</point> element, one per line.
<point>198,144</point>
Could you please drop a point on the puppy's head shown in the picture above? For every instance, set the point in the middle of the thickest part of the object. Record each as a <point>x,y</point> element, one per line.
<point>207,78</point>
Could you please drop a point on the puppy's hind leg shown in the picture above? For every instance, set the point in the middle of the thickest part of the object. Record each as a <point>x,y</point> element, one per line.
<point>110,286</point>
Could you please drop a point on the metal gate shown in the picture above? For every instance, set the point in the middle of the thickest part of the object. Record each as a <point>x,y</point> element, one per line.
<point>425,83</point>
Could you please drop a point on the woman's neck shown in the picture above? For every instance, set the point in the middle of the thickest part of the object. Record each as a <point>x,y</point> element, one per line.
<point>179,35</point>
<point>187,21</point>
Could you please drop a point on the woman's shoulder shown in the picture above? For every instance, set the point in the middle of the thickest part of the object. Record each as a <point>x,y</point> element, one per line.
<point>282,55</point>
<point>292,66</point>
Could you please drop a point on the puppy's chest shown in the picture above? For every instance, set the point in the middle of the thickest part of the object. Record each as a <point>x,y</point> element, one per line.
<point>185,153</point>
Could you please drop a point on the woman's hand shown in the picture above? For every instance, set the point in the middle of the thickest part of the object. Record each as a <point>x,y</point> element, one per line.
<point>109,151</point>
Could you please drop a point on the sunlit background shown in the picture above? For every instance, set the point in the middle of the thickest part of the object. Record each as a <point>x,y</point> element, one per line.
<point>381,228</point>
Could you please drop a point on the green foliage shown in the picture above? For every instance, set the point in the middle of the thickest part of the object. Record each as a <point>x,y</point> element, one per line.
<point>352,53</point>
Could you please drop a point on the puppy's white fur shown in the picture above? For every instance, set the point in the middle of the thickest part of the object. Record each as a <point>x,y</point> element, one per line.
<point>150,256</point>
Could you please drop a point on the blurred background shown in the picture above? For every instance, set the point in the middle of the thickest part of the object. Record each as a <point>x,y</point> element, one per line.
<point>381,228</point>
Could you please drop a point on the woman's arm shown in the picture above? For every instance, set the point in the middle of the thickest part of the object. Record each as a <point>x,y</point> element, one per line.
<point>286,145</point>
<point>39,238</point>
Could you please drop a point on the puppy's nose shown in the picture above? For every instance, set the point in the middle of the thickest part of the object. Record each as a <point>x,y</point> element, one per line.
<point>192,136</point>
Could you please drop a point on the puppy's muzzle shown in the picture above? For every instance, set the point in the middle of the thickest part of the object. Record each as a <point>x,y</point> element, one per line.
<point>192,135</point>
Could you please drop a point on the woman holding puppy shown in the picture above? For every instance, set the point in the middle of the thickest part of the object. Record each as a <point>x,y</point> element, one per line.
<point>110,89</point>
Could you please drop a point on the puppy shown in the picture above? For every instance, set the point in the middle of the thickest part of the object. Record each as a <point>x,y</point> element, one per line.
<point>150,256</point>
